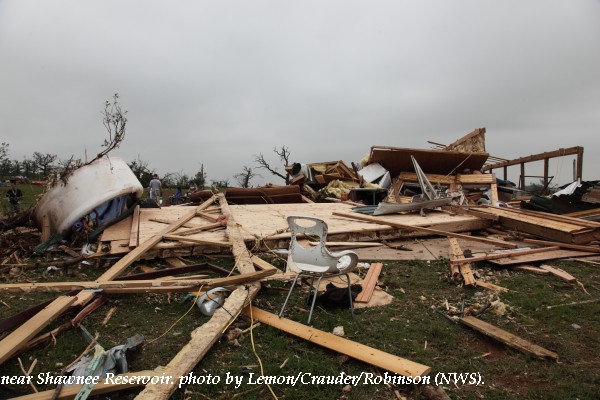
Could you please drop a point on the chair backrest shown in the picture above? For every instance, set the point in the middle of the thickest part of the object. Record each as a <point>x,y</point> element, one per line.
<point>311,258</point>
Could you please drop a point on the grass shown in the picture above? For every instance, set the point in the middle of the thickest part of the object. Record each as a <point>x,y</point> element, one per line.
<point>409,327</point>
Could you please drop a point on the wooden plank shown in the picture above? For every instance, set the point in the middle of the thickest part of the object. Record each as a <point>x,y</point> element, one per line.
<point>532,258</point>
<point>263,265</point>
<point>504,254</point>
<point>369,283</point>
<point>12,343</point>
<point>535,270</point>
<point>369,355</point>
<point>562,274</point>
<point>507,338</point>
<point>141,283</point>
<point>535,157</point>
<point>382,221</point>
<point>591,249</point>
<point>191,231</point>
<point>490,286</point>
<point>207,216</point>
<point>464,265</point>
<point>208,242</point>
<point>135,227</point>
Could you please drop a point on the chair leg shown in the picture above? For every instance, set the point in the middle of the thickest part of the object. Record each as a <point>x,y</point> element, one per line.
<point>350,296</point>
<point>312,307</point>
<point>288,295</point>
<point>310,287</point>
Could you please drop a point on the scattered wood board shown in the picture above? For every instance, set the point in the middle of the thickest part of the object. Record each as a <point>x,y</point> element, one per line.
<point>369,283</point>
<point>464,265</point>
<point>535,270</point>
<point>491,286</point>
<point>532,258</point>
<point>562,274</point>
<point>369,355</point>
<point>507,338</point>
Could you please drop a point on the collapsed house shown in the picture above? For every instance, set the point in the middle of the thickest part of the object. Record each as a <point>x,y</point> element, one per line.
<point>249,223</point>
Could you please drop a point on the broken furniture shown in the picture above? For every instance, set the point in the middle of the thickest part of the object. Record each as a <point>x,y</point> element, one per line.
<point>316,261</point>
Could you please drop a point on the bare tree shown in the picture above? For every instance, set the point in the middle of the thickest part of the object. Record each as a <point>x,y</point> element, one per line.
<point>244,177</point>
<point>284,157</point>
<point>44,162</point>
<point>114,121</point>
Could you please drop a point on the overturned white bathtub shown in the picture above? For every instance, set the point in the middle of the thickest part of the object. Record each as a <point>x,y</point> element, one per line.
<point>88,188</point>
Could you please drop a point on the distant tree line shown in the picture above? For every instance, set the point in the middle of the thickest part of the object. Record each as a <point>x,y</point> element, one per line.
<point>41,166</point>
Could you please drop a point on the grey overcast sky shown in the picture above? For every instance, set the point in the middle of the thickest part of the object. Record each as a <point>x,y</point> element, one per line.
<point>216,82</point>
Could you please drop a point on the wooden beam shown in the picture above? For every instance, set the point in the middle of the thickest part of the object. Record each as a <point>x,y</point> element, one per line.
<point>591,249</point>
<point>507,338</point>
<point>503,254</point>
<point>140,283</point>
<point>208,242</point>
<point>536,157</point>
<point>12,343</point>
<point>369,355</point>
<point>423,229</point>
<point>208,227</point>
<point>535,270</point>
<point>135,228</point>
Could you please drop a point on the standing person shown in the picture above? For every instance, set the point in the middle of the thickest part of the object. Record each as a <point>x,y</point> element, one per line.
<point>155,188</point>
<point>14,197</point>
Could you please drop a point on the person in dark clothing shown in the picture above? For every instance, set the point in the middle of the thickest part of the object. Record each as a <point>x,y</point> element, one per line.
<point>14,197</point>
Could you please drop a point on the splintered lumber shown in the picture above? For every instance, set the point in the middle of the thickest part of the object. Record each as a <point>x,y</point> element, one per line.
<point>456,254</point>
<point>507,338</point>
<point>546,256</point>
<point>369,355</point>
<point>592,249</point>
<point>562,274</point>
<point>505,254</point>
<point>20,336</point>
<point>143,284</point>
<point>369,283</point>
<point>205,336</point>
<point>125,381</point>
<point>542,224</point>
<point>382,221</point>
